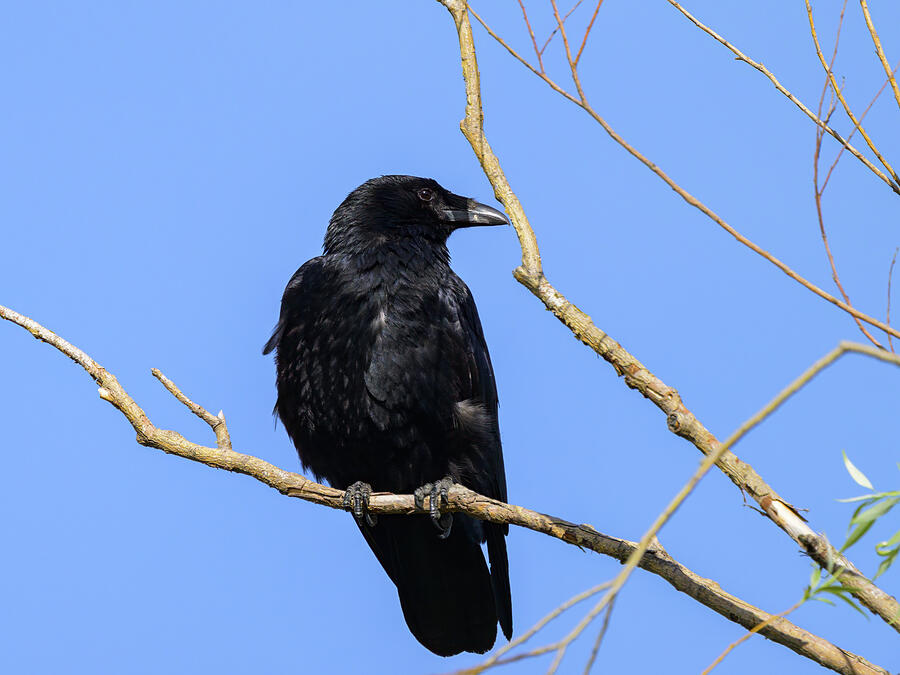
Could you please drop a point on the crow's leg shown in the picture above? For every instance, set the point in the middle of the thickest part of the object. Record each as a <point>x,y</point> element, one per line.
<point>437,492</point>
<point>356,500</point>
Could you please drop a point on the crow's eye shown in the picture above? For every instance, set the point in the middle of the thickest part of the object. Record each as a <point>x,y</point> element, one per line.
<point>426,194</point>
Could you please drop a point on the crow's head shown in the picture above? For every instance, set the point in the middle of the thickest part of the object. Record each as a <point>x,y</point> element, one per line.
<point>390,208</point>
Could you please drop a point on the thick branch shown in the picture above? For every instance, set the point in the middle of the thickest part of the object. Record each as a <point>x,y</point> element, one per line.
<point>749,617</point>
<point>680,419</point>
<point>656,560</point>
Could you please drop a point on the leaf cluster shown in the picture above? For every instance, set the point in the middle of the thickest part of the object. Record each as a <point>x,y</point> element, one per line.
<point>871,507</point>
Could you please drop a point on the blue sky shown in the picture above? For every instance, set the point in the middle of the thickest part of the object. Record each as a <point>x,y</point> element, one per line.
<point>167,166</point>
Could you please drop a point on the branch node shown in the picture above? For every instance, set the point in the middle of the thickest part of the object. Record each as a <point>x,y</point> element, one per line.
<point>461,499</point>
<point>295,491</point>
<point>145,440</point>
<point>215,422</point>
<point>531,279</point>
<point>675,422</point>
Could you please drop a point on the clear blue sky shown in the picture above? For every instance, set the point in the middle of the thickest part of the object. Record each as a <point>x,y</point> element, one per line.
<point>168,165</point>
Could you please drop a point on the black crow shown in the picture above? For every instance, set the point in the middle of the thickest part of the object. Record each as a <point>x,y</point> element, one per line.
<point>385,384</point>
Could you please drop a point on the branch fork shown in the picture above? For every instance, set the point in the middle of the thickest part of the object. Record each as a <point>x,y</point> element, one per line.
<point>652,558</point>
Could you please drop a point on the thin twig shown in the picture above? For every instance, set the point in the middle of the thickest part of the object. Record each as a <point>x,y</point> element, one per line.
<point>530,273</point>
<point>837,38</point>
<point>890,282</point>
<point>854,130</point>
<point>758,627</point>
<point>561,23</point>
<point>893,184</point>
<point>563,644</point>
<point>819,191</point>
<point>516,54</point>
<point>881,57</point>
<point>802,380</point>
<point>834,272</point>
<point>556,30</point>
<point>709,461</point>
<point>599,640</point>
<point>538,651</point>
<point>587,32</point>
<point>840,96</point>
<point>460,499</point>
<point>559,646</point>
<point>216,422</point>
<point>680,419</point>
<point>537,52</point>
<point>495,658</point>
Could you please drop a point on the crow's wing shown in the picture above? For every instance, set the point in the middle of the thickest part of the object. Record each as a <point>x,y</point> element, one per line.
<point>293,299</point>
<point>483,387</point>
<point>476,383</point>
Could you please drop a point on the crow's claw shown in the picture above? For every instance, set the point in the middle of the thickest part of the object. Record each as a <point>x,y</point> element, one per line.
<point>356,500</point>
<point>437,493</point>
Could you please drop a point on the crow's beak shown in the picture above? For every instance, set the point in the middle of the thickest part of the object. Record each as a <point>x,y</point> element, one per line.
<point>475,213</point>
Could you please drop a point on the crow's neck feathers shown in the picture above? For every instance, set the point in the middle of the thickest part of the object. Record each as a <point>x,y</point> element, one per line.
<point>367,244</point>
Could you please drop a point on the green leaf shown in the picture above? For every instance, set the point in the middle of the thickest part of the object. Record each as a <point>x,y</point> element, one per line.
<point>874,512</point>
<point>858,510</point>
<point>887,562</point>
<point>855,473</point>
<point>890,543</point>
<point>815,577</point>
<point>833,580</point>
<point>873,495</point>
<point>857,534</point>
<point>842,594</point>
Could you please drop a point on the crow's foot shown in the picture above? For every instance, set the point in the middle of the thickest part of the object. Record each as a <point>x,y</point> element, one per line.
<point>437,492</point>
<point>356,500</point>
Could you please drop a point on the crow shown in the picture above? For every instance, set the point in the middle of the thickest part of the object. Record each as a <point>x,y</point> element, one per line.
<point>385,384</point>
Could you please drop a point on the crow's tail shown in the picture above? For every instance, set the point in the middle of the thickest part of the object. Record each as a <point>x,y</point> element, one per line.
<point>496,546</point>
<point>445,589</point>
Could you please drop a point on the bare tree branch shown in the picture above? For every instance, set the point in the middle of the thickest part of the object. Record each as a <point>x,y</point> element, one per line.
<point>560,23</point>
<point>772,626</point>
<point>892,183</point>
<point>889,284</point>
<point>560,646</point>
<point>680,420</point>
<point>587,32</point>
<point>881,57</point>
<point>655,559</point>
<point>598,641</point>
<point>530,276</point>
<point>820,190</point>
<point>539,53</point>
<point>496,657</point>
<point>215,422</point>
<point>853,132</point>
<point>746,636</point>
<point>840,95</point>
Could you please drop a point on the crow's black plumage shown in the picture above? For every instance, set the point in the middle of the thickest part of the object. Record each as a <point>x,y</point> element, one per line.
<point>385,383</point>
